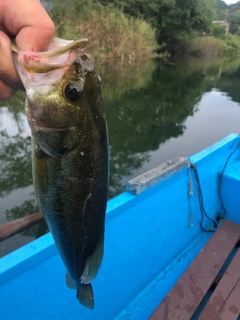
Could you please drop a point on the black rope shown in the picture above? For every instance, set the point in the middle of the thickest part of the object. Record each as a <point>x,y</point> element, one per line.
<point>220,182</point>
<point>200,195</point>
<point>201,203</point>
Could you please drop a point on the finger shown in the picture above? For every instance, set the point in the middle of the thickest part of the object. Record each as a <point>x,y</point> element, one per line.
<point>29,22</point>
<point>6,91</point>
<point>8,73</point>
<point>2,28</point>
<point>35,39</point>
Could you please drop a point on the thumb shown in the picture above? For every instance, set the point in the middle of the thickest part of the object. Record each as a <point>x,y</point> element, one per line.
<point>35,38</point>
<point>29,22</point>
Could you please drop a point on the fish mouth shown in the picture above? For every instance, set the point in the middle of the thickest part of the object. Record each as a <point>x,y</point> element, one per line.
<point>33,67</point>
<point>43,127</point>
<point>60,54</point>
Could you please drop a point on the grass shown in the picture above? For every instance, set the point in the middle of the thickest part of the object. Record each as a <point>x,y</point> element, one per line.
<point>210,46</point>
<point>205,46</point>
<point>111,33</point>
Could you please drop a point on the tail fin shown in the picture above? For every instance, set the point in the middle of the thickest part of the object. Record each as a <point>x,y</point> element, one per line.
<point>85,295</point>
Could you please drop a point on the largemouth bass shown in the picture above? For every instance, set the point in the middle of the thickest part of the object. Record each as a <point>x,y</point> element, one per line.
<point>69,154</point>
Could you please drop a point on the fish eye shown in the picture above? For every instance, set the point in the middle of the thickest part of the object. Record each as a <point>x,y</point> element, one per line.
<point>72,91</point>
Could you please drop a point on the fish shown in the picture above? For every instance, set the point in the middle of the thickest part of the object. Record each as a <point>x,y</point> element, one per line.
<point>70,157</point>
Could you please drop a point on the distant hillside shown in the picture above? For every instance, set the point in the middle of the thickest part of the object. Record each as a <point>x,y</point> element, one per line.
<point>221,10</point>
<point>234,18</point>
<point>231,13</point>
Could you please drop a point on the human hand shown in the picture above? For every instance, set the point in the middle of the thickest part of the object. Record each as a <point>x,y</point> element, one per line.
<point>29,23</point>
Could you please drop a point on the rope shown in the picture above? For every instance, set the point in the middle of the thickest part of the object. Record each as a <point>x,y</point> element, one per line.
<point>190,194</point>
<point>192,167</point>
<point>200,199</point>
<point>220,182</point>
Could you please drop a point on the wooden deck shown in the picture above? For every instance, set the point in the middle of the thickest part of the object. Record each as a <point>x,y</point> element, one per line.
<point>210,287</point>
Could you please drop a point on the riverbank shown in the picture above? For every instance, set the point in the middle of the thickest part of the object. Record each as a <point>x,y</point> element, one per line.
<point>111,33</point>
<point>210,46</point>
<point>115,35</point>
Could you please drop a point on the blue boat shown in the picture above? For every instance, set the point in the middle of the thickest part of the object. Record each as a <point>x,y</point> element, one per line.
<point>156,234</point>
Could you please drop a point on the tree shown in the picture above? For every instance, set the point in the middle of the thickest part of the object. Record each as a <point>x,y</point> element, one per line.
<point>221,10</point>
<point>174,20</point>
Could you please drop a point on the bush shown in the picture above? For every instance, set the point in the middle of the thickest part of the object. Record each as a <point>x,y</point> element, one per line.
<point>206,46</point>
<point>233,43</point>
<point>218,31</point>
<point>111,33</point>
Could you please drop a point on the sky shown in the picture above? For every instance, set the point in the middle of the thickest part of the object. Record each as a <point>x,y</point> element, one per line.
<point>230,1</point>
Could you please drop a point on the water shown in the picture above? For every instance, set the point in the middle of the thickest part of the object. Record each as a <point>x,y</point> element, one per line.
<point>155,112</point>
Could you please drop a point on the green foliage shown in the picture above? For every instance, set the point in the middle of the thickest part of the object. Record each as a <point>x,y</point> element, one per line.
<point>233,43</point>
<point>151,11</point>
<point>221,10</point>
<point>218,30</point>
<point>221,4</point>
<point>121,28</point>
<point>112,34</point>
<point>205,46</point>
<point>203,12</point>
<point>234,19</point>
<point>175,20</point>
<point>213,46</point>
<point>65,15</point>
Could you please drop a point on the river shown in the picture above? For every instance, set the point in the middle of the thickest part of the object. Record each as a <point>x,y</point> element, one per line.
<point>155,111</point>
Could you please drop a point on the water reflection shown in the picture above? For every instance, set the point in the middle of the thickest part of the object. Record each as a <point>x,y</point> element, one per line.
<point>143,118</point>
<point>149,105</point>
<point>15,164</point>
